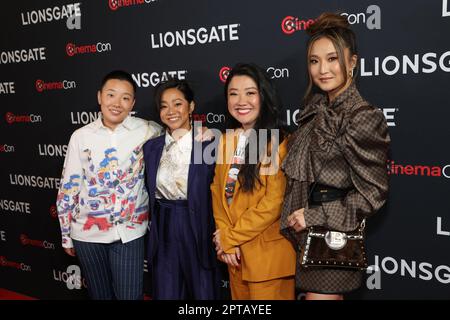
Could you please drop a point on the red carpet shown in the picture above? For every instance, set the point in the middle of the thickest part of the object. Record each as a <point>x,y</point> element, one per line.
<point>10,295</point>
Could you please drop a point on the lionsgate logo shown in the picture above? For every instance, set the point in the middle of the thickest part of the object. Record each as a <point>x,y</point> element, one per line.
<point>429,62</point>
<point>84,117</point>
<point>191,37</point>
<point>26,241</point>
<point>100,47</point>
<point>7,88</point>
<point>4,148</point>
<point>439,230</point>
<point>371,18</point>
<point>145,79</point>
<point>272,72</point>
<point>389,114</point>
<point>418,170</point>
<point>52,150</point>
<point>34,181</point>
<point>4,262</point>
<point>42,86</point>
<point>413,269</point>
<point>70,12</point>
<point>23,55</point>
<point>15,206</point>
<point>11,118</point>
<point>445,9</point>
<point>117,4</point>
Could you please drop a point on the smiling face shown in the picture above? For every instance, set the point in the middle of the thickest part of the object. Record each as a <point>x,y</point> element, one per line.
<point>175,110</point>
<point>325,69</point>
<point>116,100</point>
<point>244,102</point>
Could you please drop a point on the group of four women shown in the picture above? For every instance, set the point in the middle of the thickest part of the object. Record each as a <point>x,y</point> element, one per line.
<point>251,213</point>
<point>249,208</point>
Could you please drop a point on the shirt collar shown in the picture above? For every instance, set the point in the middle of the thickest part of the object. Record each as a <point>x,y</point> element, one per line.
<point>185,143</point>
<point>128,123</point>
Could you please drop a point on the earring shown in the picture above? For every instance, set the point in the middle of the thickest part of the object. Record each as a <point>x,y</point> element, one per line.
<point>351,73</point>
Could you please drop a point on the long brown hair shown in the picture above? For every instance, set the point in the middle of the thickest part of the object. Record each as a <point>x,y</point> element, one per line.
<point>336,28</point>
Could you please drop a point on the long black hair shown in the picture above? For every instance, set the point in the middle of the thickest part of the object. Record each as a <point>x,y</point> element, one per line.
<point>268,118</point>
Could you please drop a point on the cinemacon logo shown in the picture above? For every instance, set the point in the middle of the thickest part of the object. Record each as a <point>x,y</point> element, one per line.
<point>72,49</point>
<point>4,262</point>
<point>209,117</point>
<point>6,148</point>
<point>36,243</point>
<point>116,4</point>
<point>418,170</point>
<point>291,24</point>
<point>41,85</point>
<point>12,118</point>
<point>53,212</point>
<point>272,72</point>
<point>371,18</point>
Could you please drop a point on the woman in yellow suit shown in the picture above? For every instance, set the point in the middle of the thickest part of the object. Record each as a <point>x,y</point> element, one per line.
<point>248,191</point>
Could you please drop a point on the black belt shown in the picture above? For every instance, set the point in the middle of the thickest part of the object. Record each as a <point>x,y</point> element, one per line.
<point>322,193</point>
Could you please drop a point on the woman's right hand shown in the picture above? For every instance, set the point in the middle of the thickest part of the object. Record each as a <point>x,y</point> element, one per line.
<point>296,220</point>
<point>70,251</point>
<point>232,259</point>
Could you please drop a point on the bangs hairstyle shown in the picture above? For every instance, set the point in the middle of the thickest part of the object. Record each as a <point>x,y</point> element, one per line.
<point>268,118</point>
<point>181,85</point>
<point>337,29</point>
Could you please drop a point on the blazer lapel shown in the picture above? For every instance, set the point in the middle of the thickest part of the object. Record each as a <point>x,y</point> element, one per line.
<point>192,167</point>
<point>155,158</point>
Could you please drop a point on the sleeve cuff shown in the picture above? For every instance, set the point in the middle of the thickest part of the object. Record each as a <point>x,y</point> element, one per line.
<point>67,242</point>
<point>227,246</point>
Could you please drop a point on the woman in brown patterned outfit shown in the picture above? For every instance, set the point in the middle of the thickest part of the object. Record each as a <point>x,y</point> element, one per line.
<point>340,129</point>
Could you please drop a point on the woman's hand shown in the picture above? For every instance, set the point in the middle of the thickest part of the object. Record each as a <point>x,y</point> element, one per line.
<point>216,240</point>
<point>232,259</point>
<point>70,251</point>
<point>296,220</point>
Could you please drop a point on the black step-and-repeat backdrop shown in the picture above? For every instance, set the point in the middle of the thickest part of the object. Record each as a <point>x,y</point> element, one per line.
<point>53,55</point>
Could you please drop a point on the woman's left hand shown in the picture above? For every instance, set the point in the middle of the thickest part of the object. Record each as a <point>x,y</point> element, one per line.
<point>216,240</point>
<point>296,220</point>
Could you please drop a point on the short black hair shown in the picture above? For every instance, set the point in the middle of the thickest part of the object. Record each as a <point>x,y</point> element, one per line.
<point>119,75</point>
<point>176,83</point>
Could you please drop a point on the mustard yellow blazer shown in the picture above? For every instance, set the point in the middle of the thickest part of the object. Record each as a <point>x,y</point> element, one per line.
<point>252,221</point>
